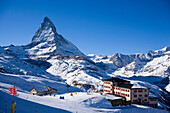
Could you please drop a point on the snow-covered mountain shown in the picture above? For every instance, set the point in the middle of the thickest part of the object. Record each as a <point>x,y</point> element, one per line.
<point>130,65</point>
<point>51,56</point>
<point>153,67</point>
<point>153,63</point>
<point>56,56</point>
<point>59,57</point>
<point>47,43</point>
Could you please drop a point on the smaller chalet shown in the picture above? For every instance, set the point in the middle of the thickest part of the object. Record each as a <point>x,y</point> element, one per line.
<point>153,101</point>
<point>40,91</point>
<point>116,101</point>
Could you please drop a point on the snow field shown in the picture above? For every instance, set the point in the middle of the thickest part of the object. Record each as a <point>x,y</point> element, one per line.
<point>78,103</point>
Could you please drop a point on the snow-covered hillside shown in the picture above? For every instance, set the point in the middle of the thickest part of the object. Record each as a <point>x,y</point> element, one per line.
<point>80,102</point>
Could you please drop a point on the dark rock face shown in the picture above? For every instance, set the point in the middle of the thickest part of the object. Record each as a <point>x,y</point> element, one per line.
<point>39,63</point>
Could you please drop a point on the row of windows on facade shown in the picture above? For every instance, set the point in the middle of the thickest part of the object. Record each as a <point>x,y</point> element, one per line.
<point>117,88</point>
<point>127,95</point>
<point>135,90</point>
<point>146,95</point>
<point>140,90</point>
<point>107,91</point>
<point>118,93</point>
<point>106,82</point>
<point>122,94</point>
<point>136,100</point>
<point>107,87</point>
<point>122,89</point>
<point>153,99</point>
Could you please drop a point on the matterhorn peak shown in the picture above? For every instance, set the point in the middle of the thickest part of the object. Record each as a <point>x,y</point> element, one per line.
<point>46,33</point>
<point>47,41</point>
<point>47,19</point>
<point>47,23</point>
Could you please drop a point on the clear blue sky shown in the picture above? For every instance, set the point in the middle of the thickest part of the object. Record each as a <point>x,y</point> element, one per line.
<point>101,27</point>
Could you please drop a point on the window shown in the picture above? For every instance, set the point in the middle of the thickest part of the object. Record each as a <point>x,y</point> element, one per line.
<point>140,95</point>
<point>146,95</point>
<point>135,90</point>
<point>135,100</point>
<point>106,82</point>
<point>106,91</point>
<point>153,99</point>
<point>135,96</point>
<point>106,87</point>
<point>145,90</point>
<point>140,90</point>
<point>118,93</point>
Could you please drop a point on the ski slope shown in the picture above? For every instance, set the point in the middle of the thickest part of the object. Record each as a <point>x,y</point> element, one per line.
<point>78,103</point>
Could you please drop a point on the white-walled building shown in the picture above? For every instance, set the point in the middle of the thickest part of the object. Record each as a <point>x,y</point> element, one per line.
<point>108,87</point>
<point>131,92</point>
<point>123,90</point>
<point>153,101</point>
<point>140,94</point>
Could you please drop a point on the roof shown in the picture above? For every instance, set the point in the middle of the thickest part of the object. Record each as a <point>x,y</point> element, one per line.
<point>152,96</point>
<point>112,97</point>
<point>41,89</point>
<point>129,86</point>
<point>137,86</point>
<point>113,79</point>
<point>50,88</point>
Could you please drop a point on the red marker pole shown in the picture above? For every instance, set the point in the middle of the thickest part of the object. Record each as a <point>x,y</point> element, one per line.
<point>13,103</point>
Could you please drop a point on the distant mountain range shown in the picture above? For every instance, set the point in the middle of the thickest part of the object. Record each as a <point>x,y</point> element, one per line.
<point>153,63</point>
<point>51,56</point>
<point>153,67</point>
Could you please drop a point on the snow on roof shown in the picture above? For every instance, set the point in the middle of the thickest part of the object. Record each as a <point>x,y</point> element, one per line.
<point>137,86</point>
<point>152,95</point>
<point>41,88</point>
<point>112,97</point>
<point>168,87</point>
